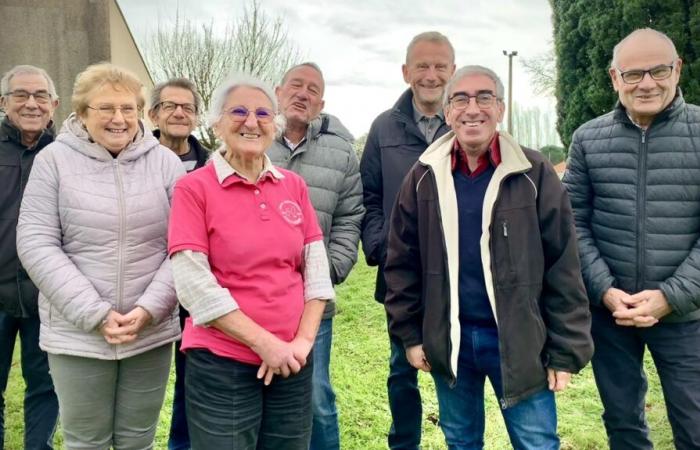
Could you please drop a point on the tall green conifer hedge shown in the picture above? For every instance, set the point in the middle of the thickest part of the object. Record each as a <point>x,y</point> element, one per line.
<point>585,32</point>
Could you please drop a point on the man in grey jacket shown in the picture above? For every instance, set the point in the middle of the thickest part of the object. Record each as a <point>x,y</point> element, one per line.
<point>28,97</point>
<point>634,182</point>
<point>319,148</point>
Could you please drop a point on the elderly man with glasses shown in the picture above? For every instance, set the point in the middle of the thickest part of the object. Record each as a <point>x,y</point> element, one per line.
<point>482,273</point>
<point>28,98</point>
<point>634,182</point>
<point>175,108</point>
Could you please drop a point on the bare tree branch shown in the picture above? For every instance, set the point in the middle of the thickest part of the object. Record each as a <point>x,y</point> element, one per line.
<point>543,71</point>
<point>255,44</point>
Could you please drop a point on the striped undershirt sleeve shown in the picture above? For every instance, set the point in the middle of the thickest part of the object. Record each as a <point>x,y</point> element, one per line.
<point>197,288</point>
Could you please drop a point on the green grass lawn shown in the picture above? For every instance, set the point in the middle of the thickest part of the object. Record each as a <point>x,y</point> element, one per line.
<point>359,371</point>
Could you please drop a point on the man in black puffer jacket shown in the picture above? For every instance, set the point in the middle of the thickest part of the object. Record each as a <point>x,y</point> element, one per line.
<point>634,182</point>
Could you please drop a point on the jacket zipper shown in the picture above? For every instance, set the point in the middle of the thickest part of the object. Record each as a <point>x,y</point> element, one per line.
<point>120,239</point>
<point>641,210</point>
<point>502,401</point>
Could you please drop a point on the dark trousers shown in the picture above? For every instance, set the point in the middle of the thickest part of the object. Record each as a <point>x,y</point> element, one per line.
<point>40,403</point>
<point>228,407</point>
<point>622,383</point>
<point>179,435</point>
<point>404,401</point>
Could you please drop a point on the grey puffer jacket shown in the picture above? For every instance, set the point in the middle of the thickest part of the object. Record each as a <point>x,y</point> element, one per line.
<point>92,234</point>
<point>636,199</point>
<point>329,165</point>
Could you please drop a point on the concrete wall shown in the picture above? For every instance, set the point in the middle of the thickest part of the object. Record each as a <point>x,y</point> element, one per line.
<point>65,36</point>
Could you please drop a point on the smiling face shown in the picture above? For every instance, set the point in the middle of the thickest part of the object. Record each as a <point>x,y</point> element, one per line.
<point>474,126</point>
<point>428,68</point>
<point>301,95</point>
<point>30,116</point>
<point>114,132</point>
<point>649,97</point>
<point>177,124</point>
<point>247,139</point>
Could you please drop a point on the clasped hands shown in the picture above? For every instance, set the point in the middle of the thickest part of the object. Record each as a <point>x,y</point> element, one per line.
<point>643,309</point>
<point>282,358</point>
<point>122,328</point>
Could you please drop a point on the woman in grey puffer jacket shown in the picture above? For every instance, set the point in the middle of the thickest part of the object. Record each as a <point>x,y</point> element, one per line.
<point>92,235</point>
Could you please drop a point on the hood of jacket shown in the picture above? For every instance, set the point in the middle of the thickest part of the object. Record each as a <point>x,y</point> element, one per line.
<point>75,135</point>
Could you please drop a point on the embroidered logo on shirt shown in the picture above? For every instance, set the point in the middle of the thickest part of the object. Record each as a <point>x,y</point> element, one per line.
<point>291,212</point>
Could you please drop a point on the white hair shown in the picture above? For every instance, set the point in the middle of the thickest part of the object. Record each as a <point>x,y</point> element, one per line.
<point>218,99</point>
<point>30,70</point>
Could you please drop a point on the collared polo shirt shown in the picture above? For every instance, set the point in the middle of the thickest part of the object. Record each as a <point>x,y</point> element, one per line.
<point>253,235</point>
<point>428,125</point>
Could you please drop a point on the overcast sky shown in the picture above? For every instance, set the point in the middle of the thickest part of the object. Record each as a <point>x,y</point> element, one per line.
<point>360,45</point>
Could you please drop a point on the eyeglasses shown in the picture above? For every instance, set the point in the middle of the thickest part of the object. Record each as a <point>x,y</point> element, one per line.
<point>22,96</point>
<point>240,114</point>
<point>108,111</point>
<point>658,73</point>
<point>170,107</point>
<point>461,100</point>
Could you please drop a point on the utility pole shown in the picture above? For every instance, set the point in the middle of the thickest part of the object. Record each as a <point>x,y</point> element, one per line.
<point>510,88</point>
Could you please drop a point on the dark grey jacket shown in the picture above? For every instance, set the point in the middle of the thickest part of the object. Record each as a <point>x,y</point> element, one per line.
<point>18,295</point>
<point>636,199</point>
<point>393,146</point>
<point>327,162</point>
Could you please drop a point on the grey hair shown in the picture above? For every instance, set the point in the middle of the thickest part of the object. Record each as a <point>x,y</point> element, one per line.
<point>466,71</point>
<point>659,34</point>
<point>218,98</point>
<point>430,36</point>
<point>182,83</point>
<point>26,69</point>
<point>313,65</point>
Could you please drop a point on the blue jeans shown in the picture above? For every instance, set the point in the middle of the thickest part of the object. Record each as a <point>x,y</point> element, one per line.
<point>179,436</point>
<point>404,401</point>
<point>324,430</point>
<point>618,367</point>
<point>40,403</point>
<point>531,423</point>
<point>228,407</point>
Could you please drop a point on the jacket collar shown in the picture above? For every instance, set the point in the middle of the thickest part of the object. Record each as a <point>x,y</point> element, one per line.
<point>201,151</point>
<point>403,112</point>
<point>438,155</point>
<point>323,124</point>
<point>9,132</point>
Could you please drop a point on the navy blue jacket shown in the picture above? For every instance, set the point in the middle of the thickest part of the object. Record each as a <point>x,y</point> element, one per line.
<point>18,295</point>
<point>393,146</point>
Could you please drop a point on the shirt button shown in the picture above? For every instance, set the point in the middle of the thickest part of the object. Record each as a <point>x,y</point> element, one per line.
<point>257,192</point>
<point>263,205</point>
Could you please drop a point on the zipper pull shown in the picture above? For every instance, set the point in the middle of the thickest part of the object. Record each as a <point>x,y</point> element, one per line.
<point>644,136</point>
<point>505,228</point>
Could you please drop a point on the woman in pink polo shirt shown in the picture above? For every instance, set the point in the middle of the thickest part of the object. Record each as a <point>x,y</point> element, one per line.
<point>250,267</point>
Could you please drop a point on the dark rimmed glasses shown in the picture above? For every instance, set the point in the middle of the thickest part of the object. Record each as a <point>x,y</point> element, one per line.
<point>484,99</point>
<point>22,96</point>
<point>658,73</point>
<point>170,107</point>
<point>241,113</point>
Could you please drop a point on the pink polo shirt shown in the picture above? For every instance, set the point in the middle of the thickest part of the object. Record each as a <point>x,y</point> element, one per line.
<point>254,235</point>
